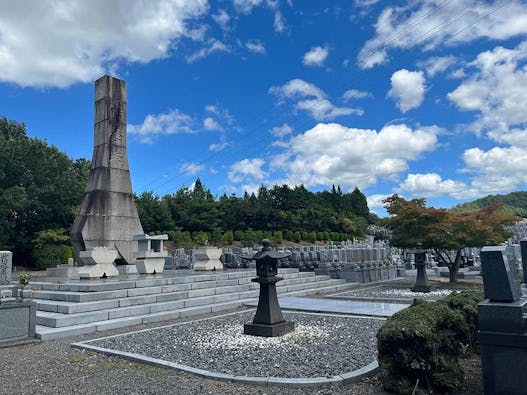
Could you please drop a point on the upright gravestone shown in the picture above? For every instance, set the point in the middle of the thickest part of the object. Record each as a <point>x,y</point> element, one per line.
<point>6,262</point>
<point>108,215</point>
<point>502,326</point>
<point>523,247</point>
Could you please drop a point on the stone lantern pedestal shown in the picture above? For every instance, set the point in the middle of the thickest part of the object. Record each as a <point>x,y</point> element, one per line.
<point>151,255</point>
<point>268,320</point>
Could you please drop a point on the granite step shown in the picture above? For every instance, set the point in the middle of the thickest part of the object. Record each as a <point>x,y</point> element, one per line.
<point>49,333</point>
<point>73,314</point>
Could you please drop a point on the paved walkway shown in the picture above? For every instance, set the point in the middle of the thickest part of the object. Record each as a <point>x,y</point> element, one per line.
<point>340,306</point>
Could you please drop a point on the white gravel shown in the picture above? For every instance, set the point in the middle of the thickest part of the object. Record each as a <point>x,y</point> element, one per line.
<point>321,346</point>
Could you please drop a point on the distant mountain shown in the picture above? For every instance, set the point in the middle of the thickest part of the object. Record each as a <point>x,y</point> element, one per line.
<point>514,202</point>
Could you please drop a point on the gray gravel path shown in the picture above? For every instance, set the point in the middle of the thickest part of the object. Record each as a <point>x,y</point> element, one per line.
<point>320,346</point>
<point>397,293</point>
<point>56,368</point>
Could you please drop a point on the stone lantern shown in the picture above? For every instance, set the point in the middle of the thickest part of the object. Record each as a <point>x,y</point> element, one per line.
<point>421,280</point>
<point>268,320</point>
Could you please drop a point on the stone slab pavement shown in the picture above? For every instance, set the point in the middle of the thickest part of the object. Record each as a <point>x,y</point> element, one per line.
<point>374,309</point>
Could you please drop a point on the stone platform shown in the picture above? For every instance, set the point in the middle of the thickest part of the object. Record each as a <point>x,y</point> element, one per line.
<point>74,307</point>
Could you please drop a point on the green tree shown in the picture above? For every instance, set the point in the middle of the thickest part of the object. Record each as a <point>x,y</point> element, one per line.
<point>413,224</point>
<point>154,213</point>
<point>40,188</point>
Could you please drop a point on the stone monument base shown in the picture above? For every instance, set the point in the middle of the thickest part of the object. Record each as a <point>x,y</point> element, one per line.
<point>271,330</point>
<point>98,270</point>
<point>63,271</point>
<point>150,265</point>
<point>213,264</point>
<point>127,269</point>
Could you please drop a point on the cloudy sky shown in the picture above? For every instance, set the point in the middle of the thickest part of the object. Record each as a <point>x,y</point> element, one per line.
<point>423,98</point>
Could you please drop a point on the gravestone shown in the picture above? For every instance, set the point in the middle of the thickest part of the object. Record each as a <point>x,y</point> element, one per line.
<point>502,326</point>
<point>6,264</point>
<point>523,247</point>
<point>108,215</point>
<point>500,278</point>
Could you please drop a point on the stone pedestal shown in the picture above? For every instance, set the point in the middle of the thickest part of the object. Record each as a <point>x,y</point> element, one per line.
<point>98,262</point>
<point>63,271</point>
<point>208,258</point>
<point>421,281</point>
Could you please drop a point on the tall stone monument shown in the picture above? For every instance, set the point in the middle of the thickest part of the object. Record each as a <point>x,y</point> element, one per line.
<point>108,215</point>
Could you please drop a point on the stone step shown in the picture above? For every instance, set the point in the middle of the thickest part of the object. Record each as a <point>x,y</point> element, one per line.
<point>193,290</point>
<point>49,333</point>
<point>68,314</point>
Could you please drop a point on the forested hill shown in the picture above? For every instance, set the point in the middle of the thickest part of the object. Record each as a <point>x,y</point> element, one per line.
<point>514,202</point>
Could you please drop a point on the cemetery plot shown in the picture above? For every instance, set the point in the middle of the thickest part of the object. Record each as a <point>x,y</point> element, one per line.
<point>322,347</point>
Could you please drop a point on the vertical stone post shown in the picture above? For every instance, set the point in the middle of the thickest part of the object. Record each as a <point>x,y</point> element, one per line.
<point>6,264</point>
<point>108,215</point>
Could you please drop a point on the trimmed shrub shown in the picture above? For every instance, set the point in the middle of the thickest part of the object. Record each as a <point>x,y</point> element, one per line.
<point>423,342</point>
<point>466,302</point>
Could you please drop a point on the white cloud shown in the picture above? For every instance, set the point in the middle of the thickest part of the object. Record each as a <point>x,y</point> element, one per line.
<point>222,18</point>
<point>171,122</point>
<point>211,124</point>
<point>246,6</point>
<point>351,94</point>
<point>255,46</point>
<point>432,185</point>
<point>376,200</point>
<point>408,89</point>
<point>429,24</point>
<point>213,45</point>
<point>498,170</point>
<point>316,56</point>
<point>218,147</point>
<point>279,21</point>
<point>312,99</point>
<point>437,64</point>
<point>247,169</point>
<point>59,42</point>
<point>496,90</point>
<point>191,168</point>
<point>334,154</point>
<point>281,131</point>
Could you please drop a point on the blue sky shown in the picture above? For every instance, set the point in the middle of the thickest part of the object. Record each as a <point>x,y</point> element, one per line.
<point>423,98</point>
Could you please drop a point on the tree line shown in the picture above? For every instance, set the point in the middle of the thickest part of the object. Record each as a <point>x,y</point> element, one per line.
<point>193,215</point>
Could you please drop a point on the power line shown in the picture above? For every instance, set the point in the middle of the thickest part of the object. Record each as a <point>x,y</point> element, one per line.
<point>428,34</point>
<point>314,107</point>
